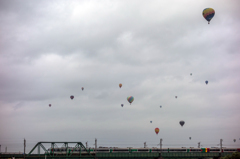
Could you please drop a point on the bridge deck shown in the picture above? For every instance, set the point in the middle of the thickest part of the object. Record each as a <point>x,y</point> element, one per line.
<point>135,155</point>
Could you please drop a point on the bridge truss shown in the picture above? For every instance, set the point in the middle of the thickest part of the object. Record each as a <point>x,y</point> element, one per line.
<point>50,151</point>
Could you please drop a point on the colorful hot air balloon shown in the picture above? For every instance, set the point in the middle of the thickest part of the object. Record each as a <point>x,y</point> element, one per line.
<point>150,121</point>
<point>72,97</point>
<point>206,82</point>
<point>175,96</point>
<point>208,14</point>
<point>130,99</point>
<point>82,88</point>
<point>156,130</point>
<point>234,140</point>
<point>122,105</point>
<point>190,138</point>
<point>120,85</point>
<point>182,122</point>
<point>50,105</point>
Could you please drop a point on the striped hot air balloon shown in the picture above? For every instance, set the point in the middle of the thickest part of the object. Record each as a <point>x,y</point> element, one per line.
<point>208,14</point>
<point>130,99</point>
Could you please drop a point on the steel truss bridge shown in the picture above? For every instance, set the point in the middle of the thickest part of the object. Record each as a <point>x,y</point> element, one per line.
<point>95,155</point>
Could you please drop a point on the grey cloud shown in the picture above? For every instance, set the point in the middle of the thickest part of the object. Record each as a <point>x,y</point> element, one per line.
<point>49,50</point>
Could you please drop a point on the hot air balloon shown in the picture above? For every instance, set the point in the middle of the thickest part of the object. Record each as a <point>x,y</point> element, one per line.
<point>182,122</point>
<point>150,121</point>
<point>234,140</point>
<point>120,85</point>
<point>72,97</point>
<point>130,99</point>
<point>160,106</point>
<point>82,88</point>
<point>208,14</point>
<point>190,138</point>
<point>156,130</point>
<point>191,74</point>
<point>122,105</point>
<point>206,82</point>
<point>50,105</point>
<point>175,96</point>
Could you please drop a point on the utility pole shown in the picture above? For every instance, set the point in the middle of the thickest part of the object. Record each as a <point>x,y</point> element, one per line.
<point>86,145</point>
<point>0,148</point>
<point>24,144</point>
<point>221,140</point>
<point>95,144</point>
<point>6,149</point>
<point>161,144</point>
<point>145,145</point>
<point>199,145</point>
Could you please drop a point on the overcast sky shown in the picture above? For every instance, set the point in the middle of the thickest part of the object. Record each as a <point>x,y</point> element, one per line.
<point>50,49</point>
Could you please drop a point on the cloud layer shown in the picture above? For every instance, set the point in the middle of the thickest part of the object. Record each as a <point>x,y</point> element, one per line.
<point>49,50</point>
